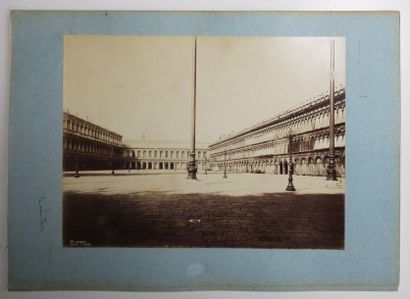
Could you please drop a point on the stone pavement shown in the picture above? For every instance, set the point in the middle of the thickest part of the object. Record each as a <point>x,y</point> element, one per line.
<point>165,211</point>
<point>237,184</point>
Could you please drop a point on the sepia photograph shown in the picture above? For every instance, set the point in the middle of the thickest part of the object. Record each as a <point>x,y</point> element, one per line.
<point>204,141</point>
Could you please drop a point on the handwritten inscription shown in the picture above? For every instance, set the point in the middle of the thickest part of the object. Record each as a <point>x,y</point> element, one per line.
<point>79,243</point>
<point>43,213</point>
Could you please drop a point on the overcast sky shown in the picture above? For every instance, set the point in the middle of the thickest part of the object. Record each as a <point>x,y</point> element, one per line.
<point>143,85</point>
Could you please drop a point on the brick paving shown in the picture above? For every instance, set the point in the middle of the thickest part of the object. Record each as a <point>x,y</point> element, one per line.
<point>160,219</point>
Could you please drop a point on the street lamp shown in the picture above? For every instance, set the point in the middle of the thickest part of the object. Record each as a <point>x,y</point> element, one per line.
<point>76,157</point>
<point>224,176</point>
<point>112,159</point>
<point>290,186</point>
<point>77,174</point>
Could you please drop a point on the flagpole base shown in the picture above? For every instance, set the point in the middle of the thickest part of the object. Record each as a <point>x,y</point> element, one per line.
<point>290,186</point>
<point>192,169</point>
<point>331,171</point>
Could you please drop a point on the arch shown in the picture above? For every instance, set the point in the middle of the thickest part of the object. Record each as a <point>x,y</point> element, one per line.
<point>325,164</point>
<point>296,167</point>
<point>311,166</point>
<point>326,119</point>
<point>340,166</point>
<point>161,165</point>
<point>149,165</point>
<point>304,166</point>
<point>318,166</point>
<point>285,167</point>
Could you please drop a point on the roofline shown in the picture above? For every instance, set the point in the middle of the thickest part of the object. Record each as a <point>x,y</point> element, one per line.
<point>166,148</point>
<point>280,117</point>
<point>98,126</point>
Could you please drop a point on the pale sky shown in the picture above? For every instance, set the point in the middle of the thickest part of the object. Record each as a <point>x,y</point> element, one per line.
<point>137,85</point>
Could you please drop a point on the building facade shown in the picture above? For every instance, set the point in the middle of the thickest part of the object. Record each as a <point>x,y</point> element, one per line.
<point>87,146</point>
<point>302,132</point>
<point>161,155</point>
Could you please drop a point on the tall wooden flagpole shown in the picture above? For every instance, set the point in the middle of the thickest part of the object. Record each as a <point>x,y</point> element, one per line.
<point>191,166</point>
<point>331,169</point>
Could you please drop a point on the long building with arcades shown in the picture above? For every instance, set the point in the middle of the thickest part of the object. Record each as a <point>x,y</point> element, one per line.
<point>87,146</point>
<point>163,155</point>
<point>302,132</point>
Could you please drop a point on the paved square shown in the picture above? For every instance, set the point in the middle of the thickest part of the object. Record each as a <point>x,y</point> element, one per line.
<point>166,210</point>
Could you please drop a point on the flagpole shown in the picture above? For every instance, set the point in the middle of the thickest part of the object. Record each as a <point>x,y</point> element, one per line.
<point>191,166</point>
<point>331,169</point>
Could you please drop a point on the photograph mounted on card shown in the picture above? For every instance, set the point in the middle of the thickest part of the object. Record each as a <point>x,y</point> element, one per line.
<point>182,152</point>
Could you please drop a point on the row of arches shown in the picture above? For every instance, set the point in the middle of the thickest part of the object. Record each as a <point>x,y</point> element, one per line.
<point>160,165</point>
<point>311,166</point>
<point>314,116</point>
<point>167,154</point>
<point>85,146</point>
<point>152,165</point>
<point>308,123</point>
<point>299,144</point>
<point>87,129</point>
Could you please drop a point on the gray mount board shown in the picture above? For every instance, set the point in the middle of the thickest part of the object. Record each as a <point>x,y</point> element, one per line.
<point>370,260</point>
